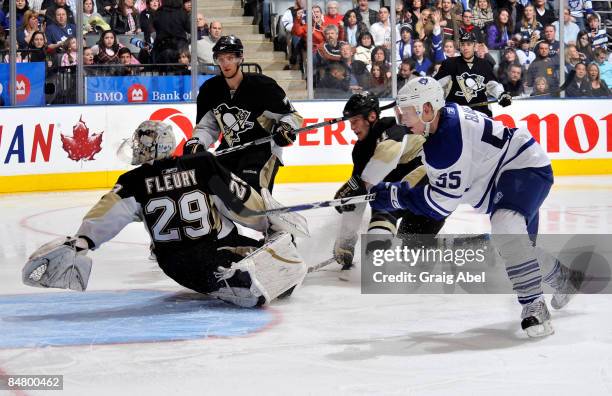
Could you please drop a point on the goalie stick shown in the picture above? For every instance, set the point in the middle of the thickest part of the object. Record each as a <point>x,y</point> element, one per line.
<point>321,265</point>
<point>297,132</point>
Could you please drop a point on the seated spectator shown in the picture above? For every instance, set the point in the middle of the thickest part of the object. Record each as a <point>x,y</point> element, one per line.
<point>483,14</point>
<point>379,57</point>
<point>580,86</point>
<point>404,44</point>
<point>70,56</point>
<point>368,16</point>
<point>549,37</point>
<point>300,29</point>
<point>353,27</point>
<point>599,88</point>
<point>424,25</point>
<point>58,32</point>
<point>466,25</point>
<point>201,25</point>
<point>88,60</point>
<point>578,10</point>
<point>508,59</point>
<point>402,16</point>
<point>333,84</point>
<point>380,84</point>
<point>187,8</point>
<point>583,45</point>
<point>381,30</point>
<point>605,67</point>
<point>107,8</point>
<point>28,27</point>
<point>514,7</point>
<point>333,17</point>
<point>330,50</point>
<point>450,49</point>
<point>544,14</point>
<point>171,26</point>
<point>597,34</point>
<point>51,10</point>
<point>146,20</point>
<point>22,7</point>
<point>529,28</point>
<point>126,20</point>
<point>448,20</point>
<point>185,60</point>
<point>356,71</point>
<point>287,40</point>
<point>543,66</point>
<point>107,48</point>
<point>92,21</point>
<point>499,34</point>
<point>423,66</point>
<point>124,56</point>
<point>572,57</point>
<point>524,53</point>
<point>206,43</point>
<point>37,48</point>
<point>415,7</point>
<point>571,29</point>
<point>405,73</point>
<point>541,87</point>
<point>363,52</point>
<point>513,81</point>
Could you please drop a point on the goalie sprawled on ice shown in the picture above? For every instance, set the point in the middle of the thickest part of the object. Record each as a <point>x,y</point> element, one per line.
<point>195,238</point>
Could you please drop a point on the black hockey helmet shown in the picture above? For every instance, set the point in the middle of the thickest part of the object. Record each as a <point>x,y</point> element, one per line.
<point>361,104</point>
<point>467,37</point>
<point>228,45</point>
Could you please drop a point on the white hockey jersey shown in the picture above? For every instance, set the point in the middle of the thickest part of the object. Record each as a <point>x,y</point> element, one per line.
<point>465,158</point>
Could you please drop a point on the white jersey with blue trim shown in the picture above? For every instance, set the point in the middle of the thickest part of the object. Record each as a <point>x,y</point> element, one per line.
<point>466,156</point>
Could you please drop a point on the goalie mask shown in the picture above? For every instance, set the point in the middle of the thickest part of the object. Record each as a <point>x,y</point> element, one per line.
<point>152,140</point>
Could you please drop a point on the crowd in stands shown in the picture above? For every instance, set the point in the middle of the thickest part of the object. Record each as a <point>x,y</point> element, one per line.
<point>520,38</point>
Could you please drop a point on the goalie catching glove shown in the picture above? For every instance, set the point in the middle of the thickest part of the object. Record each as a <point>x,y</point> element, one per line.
<point>505,99</point>
<point>282,134</point>
<point>61,263</point>
<point>352,188</point>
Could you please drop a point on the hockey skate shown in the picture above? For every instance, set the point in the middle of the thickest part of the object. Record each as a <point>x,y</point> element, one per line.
<point>566,286</point>
<point>536,319</point>
<point>345,272</point>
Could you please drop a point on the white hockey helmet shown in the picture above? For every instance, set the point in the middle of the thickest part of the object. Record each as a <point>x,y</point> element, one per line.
<point>152,140</point>
<point>419,91</point>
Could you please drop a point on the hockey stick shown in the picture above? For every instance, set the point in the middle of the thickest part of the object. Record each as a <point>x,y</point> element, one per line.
<point>570,78</point>
<point>297,132</point>
<point>322,264</point>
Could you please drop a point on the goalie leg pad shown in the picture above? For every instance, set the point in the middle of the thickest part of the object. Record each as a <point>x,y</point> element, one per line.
<point>274,268</point>
<point>57,264</point>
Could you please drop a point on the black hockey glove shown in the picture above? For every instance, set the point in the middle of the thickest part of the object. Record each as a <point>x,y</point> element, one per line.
<point>193,146</point>
<point>282,134</point>
<point>505,99</point>
<point>352,188</point>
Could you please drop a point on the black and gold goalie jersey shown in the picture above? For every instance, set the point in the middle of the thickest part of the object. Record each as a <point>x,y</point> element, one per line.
<point>243,115</point>
<point>174,197</point>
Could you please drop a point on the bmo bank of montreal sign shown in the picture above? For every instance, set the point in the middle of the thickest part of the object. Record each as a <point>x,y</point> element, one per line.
<point>140,89</point>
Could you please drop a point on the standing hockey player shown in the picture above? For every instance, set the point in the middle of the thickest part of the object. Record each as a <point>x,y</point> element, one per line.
<point>384,151</point>
<point>243,107</point>
<point>195,243</point>
<point>469,80</point>
<point>502,171</point>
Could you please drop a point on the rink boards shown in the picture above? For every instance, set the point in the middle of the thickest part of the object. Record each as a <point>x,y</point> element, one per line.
<point>75,147</point>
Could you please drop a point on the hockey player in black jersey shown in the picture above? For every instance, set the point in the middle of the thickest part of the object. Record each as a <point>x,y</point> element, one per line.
<point>469,80</point>
<point>385,151</point>
<point>196,240</point>
<point>243,107</point>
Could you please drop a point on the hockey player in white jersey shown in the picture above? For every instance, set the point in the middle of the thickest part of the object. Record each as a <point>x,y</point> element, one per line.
<point>502,171</point>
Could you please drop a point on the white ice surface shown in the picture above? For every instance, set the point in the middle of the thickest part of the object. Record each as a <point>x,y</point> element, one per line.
<point>329,338</point>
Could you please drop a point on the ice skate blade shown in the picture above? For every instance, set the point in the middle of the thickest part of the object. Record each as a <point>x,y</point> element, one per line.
<point>345,275</point>
<point>540,330</point>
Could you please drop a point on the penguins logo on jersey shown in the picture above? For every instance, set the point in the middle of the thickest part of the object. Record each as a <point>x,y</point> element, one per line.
<point>470,85</point>
<point>233,121</point>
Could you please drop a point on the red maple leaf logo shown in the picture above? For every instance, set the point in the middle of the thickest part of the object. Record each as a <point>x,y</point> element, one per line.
<point>81,146</point>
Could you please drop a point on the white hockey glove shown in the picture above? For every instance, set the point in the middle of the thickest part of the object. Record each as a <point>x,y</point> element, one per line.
<point>291,222</point>
<point>494,89</point>
<point>61,263</point>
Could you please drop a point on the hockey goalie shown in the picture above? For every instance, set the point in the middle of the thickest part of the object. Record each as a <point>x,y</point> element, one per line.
<point>194,233</point>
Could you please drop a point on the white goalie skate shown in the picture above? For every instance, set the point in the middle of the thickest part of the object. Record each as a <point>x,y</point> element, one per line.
<point>536,319</point>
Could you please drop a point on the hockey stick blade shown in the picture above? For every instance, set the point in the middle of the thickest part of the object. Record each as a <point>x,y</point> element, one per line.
<point>321,265</point>
<point>308,206</point>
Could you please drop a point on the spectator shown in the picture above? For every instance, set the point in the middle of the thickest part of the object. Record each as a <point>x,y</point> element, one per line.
<point>572,57</point>
<point>544,14</point>
<point>597,34</point>
<point>379,81</point>
<point>425,25</point>
<point>435,39</point>
<point>514,7</point>
<point>201,26</point>
<point>529,28</point>
<point>482,52</point>
<point>58,32</point>
<point>70,56</point>
<point>415,7</point>
<point>500,33</point>
<point>300,29</point>
<point>405,73</point>
<point>450,49</point>
<point>356,70</point>
<point>353,27</point>
<point>571,29</point>
<point>93,21</point>
<point>171,25</point>
<point>404,44</point>
<point>513,82</point>
<point>483,14</point>
<point>525,55</point>
<point>286,39</point>
<point>124,56</point>
<point>88,59</point>
<point>146,20</point>
<point>549,37</point>
<point>107,8</point>
<point>379,57</point>
<point>368,16</point>
<point>330,50</point>
<point>22,7</point>
<point>509,58</point>
<point>381,30</point>
<point>578,9</point>
<point>448,22</point>
<point>333,17</point>
<point>363,52</point>
<point>402,16</point>
<point>206,43</point>
<point>333,84</point>
<point>580,86</point>
<point>187,8</point>
<point>541,87</point>
<point>28,27</point>
<point>466,25</point>
<point>107,48</point>
<point>583,45</point>
<point>599,88</point>
<point>423,65</point>
<point>37,48</point>
<point>605,67</point>
<point>543,66</point>
<point>185,60</point>
<point>51,11</point>
<point>126,20</point>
